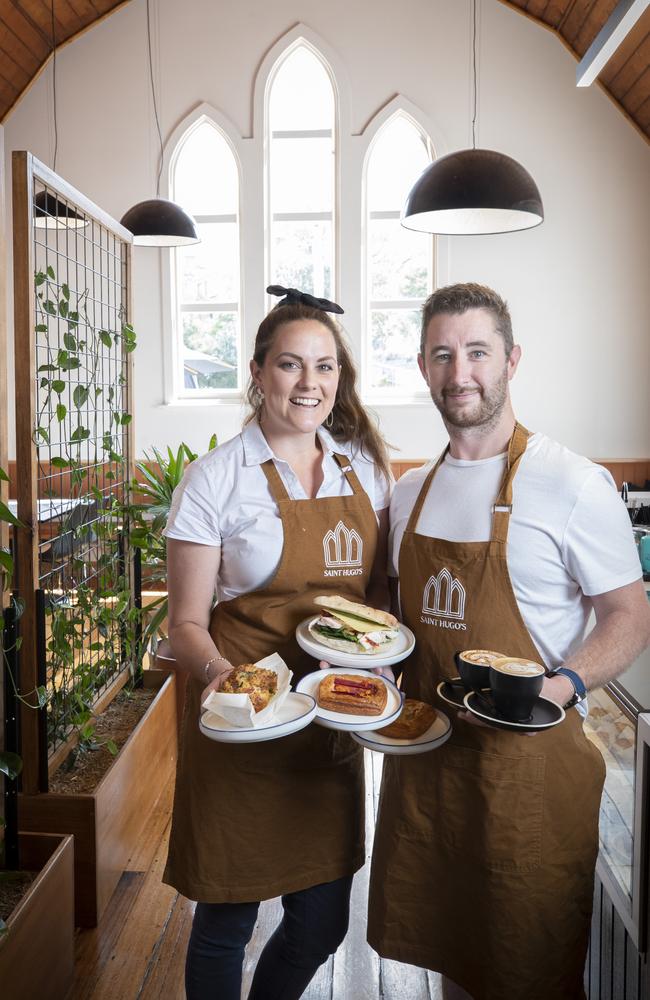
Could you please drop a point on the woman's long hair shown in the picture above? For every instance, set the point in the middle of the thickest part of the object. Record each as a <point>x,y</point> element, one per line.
<point>350,421</point>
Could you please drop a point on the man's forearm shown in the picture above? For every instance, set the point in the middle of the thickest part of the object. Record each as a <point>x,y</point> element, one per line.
<point>609,649</point>
<point>618,638</point>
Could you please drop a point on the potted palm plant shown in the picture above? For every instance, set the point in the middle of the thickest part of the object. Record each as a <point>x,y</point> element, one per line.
<point>158,476</point>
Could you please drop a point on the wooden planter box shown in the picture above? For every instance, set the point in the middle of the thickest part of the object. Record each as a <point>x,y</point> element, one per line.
<point>107,823</point>
<point>37,952</point>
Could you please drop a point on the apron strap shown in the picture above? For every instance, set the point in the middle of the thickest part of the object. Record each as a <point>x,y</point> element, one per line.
<point>422,495</point>
<point>345,465</point>
<point>502,507</point>
<point>279,491</point>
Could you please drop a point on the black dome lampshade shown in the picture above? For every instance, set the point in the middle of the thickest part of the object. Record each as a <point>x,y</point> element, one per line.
<point>160,223</point>
<point>52,213</point>
<point>473,192</point>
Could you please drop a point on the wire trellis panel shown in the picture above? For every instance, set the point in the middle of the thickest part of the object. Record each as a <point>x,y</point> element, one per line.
<point>73,343</point>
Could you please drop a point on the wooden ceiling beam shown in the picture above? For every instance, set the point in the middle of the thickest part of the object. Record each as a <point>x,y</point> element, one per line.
<point>608,39</point>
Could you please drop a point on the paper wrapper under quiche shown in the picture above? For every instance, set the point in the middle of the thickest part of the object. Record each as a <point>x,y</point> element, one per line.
<point>237,709</point>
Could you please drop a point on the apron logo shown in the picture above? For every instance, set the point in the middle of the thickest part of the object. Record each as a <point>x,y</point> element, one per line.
<point>343,552</point>
<point>444,599</point>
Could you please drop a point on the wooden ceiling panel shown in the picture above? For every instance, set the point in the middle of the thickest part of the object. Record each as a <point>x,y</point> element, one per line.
<point>637,94</point>
<point>630,71</point>
<point>26,42</point>
<point>29,46</point>
<point>625,78</point>
<point>7,90</point>
<point>632,48</point>
<point>26,35</point>
<point>11,71</point>
<point>39,15</point>
<point>592,24</point>
<point>555,13</point>
<point>575,19</point>
<point>643,114</point>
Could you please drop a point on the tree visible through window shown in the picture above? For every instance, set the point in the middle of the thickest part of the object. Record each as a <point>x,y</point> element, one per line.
<point>206,183</point>
<point>399,262</point>
<point>301,129</point>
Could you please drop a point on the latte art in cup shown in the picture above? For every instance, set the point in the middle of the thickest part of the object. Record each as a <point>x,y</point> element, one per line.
<point>483,656</point>
<point>518,667</point>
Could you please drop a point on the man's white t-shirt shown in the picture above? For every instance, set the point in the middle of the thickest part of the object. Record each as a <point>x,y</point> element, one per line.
<point>224,500</point>
<point>569,538</point>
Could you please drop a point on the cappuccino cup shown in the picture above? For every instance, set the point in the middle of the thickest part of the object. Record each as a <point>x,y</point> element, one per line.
<point>474,667</point>
<point>515,683</point>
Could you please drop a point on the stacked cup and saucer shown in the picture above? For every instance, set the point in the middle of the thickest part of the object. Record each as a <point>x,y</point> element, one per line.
<point>502,691</point>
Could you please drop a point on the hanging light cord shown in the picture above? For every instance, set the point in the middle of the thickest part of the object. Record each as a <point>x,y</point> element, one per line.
<point>155,108</point>
<point>56,130</point>
<point>474,72</point>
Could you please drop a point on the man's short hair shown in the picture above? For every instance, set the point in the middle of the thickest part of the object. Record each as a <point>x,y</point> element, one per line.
<point>456,299</point>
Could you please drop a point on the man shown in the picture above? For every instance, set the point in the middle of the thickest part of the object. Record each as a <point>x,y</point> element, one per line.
<point>485,848</point>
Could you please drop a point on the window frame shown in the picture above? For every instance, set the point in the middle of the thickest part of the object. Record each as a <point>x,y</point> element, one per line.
<point>314,48</point>
<point>174,388</point>
<point>379,397</point>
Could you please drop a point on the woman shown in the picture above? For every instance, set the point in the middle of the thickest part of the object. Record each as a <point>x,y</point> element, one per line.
<point>281,817</point>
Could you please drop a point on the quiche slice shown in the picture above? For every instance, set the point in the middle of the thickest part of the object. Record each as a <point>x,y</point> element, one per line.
<point>257,682</point>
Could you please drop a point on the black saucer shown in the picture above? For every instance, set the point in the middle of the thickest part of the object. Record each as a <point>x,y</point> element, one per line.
<point>546,713</point>
<point>452,691</point>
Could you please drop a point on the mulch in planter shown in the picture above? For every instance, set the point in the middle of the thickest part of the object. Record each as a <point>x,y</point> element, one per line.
<point>84,769</point>
<point>13,886</point>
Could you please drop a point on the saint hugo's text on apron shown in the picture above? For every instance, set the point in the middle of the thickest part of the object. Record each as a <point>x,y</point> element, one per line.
<point>253,821</point>
<point>485,848</point>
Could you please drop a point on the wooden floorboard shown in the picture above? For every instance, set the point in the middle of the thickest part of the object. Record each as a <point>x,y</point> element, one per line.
<point>138,951</point>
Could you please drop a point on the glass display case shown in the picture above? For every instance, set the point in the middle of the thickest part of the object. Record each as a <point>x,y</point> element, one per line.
<point>619,725</point>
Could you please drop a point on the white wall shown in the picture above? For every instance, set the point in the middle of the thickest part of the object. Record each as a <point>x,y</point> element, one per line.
<point>578,285</point>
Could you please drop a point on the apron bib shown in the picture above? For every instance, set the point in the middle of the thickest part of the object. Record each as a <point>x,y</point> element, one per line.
<point>254,821</point>
<point>485,849</point>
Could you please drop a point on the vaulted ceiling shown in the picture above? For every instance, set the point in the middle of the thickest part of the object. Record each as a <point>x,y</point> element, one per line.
<point>26,33</point>
<point>26,44</point>
<point>626,77</point>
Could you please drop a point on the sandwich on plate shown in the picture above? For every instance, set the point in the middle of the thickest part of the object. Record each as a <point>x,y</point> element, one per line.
<point>353,628</point>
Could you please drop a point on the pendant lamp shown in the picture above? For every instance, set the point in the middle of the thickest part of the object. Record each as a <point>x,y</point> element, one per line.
<point>159,222</point>
<point>51,212</point>
<point>473,191</point>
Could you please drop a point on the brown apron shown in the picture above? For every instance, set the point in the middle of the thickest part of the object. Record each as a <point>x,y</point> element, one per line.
<point>253,821</point>
<point>485,849</point>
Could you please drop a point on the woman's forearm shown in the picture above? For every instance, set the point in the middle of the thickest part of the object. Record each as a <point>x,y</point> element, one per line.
<point>193,648</point>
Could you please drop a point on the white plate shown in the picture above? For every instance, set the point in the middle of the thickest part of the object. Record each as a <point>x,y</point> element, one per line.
<point>297,712</point>
<point>342,720</point>
<point>404,645</point>
<point>438,733</point>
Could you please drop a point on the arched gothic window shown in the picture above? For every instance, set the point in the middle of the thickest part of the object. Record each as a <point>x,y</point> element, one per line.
<point>207,314</point>
<point>301,130</point>
<point>399,262</point>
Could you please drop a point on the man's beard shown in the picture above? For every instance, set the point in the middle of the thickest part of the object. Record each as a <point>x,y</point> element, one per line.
<point>484,413</point>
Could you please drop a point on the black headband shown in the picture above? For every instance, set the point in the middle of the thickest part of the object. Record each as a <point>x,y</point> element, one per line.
<point>293,297</point>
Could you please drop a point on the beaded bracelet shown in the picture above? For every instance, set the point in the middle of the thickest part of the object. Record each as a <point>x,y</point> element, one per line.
<point>213,660</point>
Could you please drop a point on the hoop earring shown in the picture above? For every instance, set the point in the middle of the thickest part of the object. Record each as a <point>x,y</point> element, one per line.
<point>329,420</point>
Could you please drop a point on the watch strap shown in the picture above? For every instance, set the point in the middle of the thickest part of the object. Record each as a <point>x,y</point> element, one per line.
<point>580,691</point>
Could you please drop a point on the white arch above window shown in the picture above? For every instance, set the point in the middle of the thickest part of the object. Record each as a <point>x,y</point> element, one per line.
<point>204,356</point>
<point>202,113</point>
<point>300,34</point>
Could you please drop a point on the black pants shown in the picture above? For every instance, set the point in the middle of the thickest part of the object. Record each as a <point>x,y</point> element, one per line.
<point>315,922</point>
